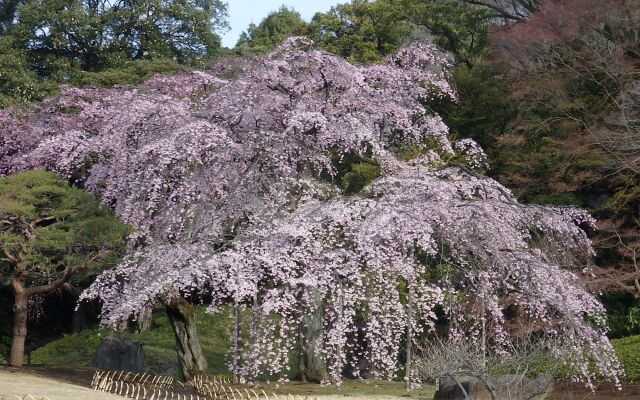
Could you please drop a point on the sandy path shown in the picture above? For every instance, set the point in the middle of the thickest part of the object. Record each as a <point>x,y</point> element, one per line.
<point>14,384</point>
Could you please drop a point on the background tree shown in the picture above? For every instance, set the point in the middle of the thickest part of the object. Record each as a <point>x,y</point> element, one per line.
<point>362,30</point>
<point>50,233</point>
<point>458,28</point>
<point>482,109</point>
<point>95,34</point>
<point>8,10</point>
<point>273,29</point>
<point>18,82</point>
<point>574,139</point>
<point>71,40</point>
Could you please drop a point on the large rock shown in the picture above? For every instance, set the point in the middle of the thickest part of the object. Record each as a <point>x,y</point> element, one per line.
<point>507,387</point>
<point>119,354</point>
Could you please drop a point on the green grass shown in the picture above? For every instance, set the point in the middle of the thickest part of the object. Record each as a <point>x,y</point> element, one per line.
<point>159,344</point>
<point>75,350</point>
<point>628,351</point>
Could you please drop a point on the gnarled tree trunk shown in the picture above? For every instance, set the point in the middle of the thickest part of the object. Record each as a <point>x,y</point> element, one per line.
<point>312,366</point>
<point>21,300</point>
<point>20,315</point>
<point>143,323</point>
<point>183,321</point>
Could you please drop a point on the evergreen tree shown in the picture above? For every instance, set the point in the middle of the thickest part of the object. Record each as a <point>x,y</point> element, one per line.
<point>50,233</point>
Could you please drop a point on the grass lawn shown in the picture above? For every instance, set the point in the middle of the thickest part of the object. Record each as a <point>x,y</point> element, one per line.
<point>628,351</point>
<point>159,344</point>
<point>350,388</point>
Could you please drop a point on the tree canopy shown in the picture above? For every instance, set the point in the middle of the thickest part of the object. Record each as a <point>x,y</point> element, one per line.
<point>362,30</point>
<point>66,41</point>
<point>575,86</point>
<point>272,30</point>
<point>93,34</point>
<point>230,185</point>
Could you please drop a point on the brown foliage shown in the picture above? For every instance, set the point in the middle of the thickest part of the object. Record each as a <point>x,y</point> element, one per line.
<point>574,69</point>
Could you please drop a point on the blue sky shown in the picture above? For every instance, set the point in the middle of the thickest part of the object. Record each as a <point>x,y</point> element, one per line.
<point>244,12</point>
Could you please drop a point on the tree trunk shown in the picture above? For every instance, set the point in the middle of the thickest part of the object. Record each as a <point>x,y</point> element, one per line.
<point>20,314</point>
<point>311,364</point>
<point>145,318</point>
<point>235,343</point>
<point>407,372</point>
<point>183,322</point>
<point>22,295</point>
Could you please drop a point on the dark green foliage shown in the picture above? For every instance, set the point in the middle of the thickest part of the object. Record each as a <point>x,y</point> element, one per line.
<point>461,29</point>
<point>92,35</point>
<point>622,311</point>
<point>633,317</point>
<point>74,225</point>
<point>52,317</point>
<point>52,236</point>
<point>129,73</point>
<point>360,175</point>
<point>81,42</point>
<point>483,110</point>
<point>362,30</point>
<point>18,82</point>
<point>8,10</point>
<point>353,172</point>
<point>366,31</point>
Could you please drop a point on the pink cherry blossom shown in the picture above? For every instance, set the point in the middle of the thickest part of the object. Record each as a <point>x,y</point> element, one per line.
<point>227,182</point>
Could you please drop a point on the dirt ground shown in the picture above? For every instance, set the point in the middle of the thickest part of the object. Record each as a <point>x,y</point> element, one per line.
<point>576,391</point>
<point>69,383</point>
<point>17,385</point>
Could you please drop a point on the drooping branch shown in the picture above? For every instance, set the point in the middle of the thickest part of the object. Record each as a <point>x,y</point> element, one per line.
<point>233,195</point>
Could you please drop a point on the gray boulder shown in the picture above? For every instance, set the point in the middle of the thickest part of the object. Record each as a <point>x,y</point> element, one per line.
<point>119,354</point>
<point>506,387</point>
